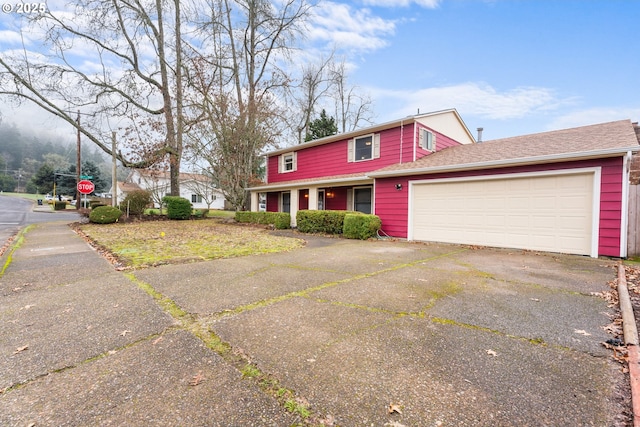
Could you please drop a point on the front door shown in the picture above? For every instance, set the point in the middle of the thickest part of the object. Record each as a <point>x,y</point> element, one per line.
<point>286,202</point>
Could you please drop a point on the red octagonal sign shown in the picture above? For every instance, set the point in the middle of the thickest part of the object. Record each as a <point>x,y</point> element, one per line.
<point>86,187</point>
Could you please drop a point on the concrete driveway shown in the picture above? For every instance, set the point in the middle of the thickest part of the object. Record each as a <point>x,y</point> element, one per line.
<point>376,333</point>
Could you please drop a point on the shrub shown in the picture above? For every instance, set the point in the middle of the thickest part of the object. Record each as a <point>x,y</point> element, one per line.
<point>137,201</point>
<point>361,226</point>
<point>105,215</point>
<point>177,207</point>
<point>59,206</point>
<point>279,220</point>
<point>328,222</point>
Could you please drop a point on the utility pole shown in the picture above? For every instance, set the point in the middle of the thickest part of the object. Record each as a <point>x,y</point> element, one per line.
<point>114,177</point>
<point>78,165</point>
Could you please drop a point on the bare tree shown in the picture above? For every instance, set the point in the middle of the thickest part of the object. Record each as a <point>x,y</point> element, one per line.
<point>237,87</point>
<point>352,109</point>
<point>133,82</point>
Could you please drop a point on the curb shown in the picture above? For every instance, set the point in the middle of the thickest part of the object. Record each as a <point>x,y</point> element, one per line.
<point>631,340</point>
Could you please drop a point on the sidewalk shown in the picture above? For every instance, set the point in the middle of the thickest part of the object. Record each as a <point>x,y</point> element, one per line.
<point>364,333</point>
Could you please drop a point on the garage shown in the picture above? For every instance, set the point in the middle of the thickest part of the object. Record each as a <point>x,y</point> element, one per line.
<point>554,211</point>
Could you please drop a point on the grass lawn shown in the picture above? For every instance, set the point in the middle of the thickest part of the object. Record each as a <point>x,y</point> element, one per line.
<point>148,243</point>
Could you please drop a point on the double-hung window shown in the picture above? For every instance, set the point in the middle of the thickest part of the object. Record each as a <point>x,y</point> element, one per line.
<point>287,162</point>
<point>365,147</point>
<point>427,140</point>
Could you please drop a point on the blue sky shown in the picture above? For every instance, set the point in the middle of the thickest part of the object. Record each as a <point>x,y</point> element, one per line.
<point>512,67</point>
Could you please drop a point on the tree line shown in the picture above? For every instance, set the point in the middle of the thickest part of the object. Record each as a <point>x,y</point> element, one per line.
<point>28,164</point>
<point>211,83</point>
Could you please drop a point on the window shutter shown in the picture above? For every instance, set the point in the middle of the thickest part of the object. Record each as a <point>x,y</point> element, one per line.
<point>376,146</point>
<point>295,161</point>
<point>350,199</point>
<point>421,141</point>
<point>280,163</point>
<point>350,145</point>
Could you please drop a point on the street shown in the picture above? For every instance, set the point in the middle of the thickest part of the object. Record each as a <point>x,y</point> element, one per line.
<point>16,213</point>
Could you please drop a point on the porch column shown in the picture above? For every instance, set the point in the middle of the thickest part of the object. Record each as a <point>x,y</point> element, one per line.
<point>313,198</point>
<point>254,201</point>
<point>293,209</point>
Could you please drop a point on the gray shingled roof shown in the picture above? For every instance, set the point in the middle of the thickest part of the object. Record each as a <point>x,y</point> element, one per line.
<point>586,141</point>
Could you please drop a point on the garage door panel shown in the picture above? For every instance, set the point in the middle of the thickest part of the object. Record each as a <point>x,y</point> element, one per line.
<point>549,212</point>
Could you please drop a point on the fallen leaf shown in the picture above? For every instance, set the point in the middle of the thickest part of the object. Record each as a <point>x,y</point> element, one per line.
<point>21,349</point>
<point>535,299</point>
<point>27,307</point>
<point>157,340</point>
<point>124,333</point>
<point>492,353</point>
<point>197,379</point>
<point>394,424</point>
<point>581,332</point>
<point>395,408</point>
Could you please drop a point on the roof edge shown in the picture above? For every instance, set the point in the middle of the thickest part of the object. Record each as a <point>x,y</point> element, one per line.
<point>554,158</point>
<point>320,181</point>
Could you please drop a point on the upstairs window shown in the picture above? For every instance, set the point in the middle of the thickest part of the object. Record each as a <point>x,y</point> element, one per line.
<point>364,148</point>
<point>427,140</point>
<point>287,162</point>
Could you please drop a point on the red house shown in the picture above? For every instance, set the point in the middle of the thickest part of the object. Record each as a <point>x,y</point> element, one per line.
<point>427,179</point>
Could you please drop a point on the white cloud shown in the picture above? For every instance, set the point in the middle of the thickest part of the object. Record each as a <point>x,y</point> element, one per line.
<point>594,116</point>
<point>340,25</point>
<point>478,99</point>
<point>430,4</point>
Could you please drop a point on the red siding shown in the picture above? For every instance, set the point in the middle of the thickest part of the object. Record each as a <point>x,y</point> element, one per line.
<point>396,146</point>
<point>273,202</point>
<point>392,205</point>
<point>339,200</point>
<point>303,199</point>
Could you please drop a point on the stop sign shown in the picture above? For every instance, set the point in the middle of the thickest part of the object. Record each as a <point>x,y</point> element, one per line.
<point>86,187</point>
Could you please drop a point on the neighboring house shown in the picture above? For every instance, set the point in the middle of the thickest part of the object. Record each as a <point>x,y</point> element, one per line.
<point>428,180</point>
<point>193,187</point>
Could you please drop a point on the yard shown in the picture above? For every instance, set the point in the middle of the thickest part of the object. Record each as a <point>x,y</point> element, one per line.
<point>150,243</point>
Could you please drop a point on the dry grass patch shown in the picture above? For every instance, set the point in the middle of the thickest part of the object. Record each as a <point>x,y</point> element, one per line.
<point>145,244</point>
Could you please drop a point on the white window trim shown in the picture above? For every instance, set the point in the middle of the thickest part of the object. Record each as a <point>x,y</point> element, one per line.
<point>375,149</point>
<point>423,141</point>
<point>282,163</point>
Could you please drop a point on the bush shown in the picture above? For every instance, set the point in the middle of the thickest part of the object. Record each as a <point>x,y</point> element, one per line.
<point>177,207</point>
<point>105,215</point>
<point>361,226</point>
<point>279,220</point>
<point>328,222</point>
<point>59,206</point>
<point>137,201</point>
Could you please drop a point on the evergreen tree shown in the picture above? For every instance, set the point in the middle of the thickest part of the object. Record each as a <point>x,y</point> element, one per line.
<point>321,127</point>
<point>43,179</point>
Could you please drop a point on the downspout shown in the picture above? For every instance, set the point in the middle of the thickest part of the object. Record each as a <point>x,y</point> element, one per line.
<point>401,138</point>
<point>624,220</point>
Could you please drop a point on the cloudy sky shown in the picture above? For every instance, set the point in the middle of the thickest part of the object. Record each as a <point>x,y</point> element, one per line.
<point>511,66</point>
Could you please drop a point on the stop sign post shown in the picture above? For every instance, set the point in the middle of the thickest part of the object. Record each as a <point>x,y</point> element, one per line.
<point>85,187</point>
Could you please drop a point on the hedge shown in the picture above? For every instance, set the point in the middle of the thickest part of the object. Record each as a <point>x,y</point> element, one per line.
<point>136,202</point>
<point>105,215</point>
<point>324,221</point>
<point>361,226</point>
<point>280,220</point>
<point>177,207</point>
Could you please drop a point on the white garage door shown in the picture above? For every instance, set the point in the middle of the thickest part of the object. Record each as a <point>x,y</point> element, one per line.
<point>554,213</point>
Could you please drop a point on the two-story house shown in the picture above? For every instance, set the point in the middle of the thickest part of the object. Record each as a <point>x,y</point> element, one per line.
<point>427,179</point>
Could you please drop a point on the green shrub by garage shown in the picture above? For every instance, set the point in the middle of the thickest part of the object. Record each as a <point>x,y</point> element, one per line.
<point>280,220</point>
<point>325,221</point>
<point>105,215</point>
<point>361,226</point>
<point>177,207</point>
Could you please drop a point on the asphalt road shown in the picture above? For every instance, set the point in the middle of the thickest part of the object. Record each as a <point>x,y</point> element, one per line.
<point>16,213</point>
